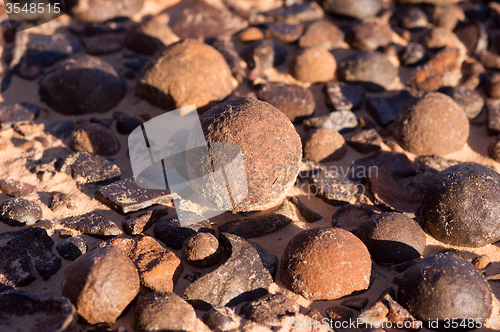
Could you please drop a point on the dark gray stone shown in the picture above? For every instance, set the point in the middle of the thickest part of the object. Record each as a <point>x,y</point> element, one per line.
<point>385,109</point>
<point>471,101</point>
<point>126,124</point>
<point>169,230</point>
<point>45,50</point>
<point>142,223</point>
<point>72,248</point>
<point>397,163</point>
<point>91,168</point>
<point>11,114</point>
<point>366,141</point>
<point>332,187</point>
<point>344,97</point>
<point>20,212</point>
<point>297,13</point>
<point>16,268</point>
<point>92,224</point>
<point>60,129</point>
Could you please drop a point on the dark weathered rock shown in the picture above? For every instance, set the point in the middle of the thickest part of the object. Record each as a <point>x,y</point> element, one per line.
<point>101,284</point>
<point>82,84</point>
<point>181,74</point>
<point>370,34</point>
<point>357,9</point>
<point>233,59</point>
<point>104,43</point>
<point>158,268</point>
<point>357,303</point>
<point>342,96</point>
<point>325,264</point>
<point>471,101</point>
<point>295,101</point>
<point>341,121</point>
<point>246,275</point>
<point>150,35</point>
<point>308,214</point>
<point>126,196</point>
<point>392,238</point>
<point>269,309</point>
<point>461,206</point>
<point>11,114</point>
<point>60,129</point>
<point>142,223</point>
<point>398,163</point>
<point>384,110</point>
<point>493,108</point>
<point>16,268</point>
<point>489,60</point>
<point>169,230</point>
<point>92,224</point>
<point>16,188</point>
<point>296,13</point>
<point>413,18</point>
<point>437,38</point>
<point>369,69</point>
<point>472,73</point>
<point>259,226</point>
<point>22,311</point>
<point>322,145</point>
<point>339,314</point>
<point>285,33</point>
<point>85,9</point>
<point>414,55</point>
<point>428,287</point>
<point>87,167</point>
<point>494,149</point>
<point>45,50</point>
<point>332,187</point>
<point>492,85</point>
<point>313,64</point>
<point>162,311</point>
<point>322,34</point>
<point>72,248</point>
<point>20,212</point>
<point>222,318</point>
<point>264,54</point>
<point>366,141</point>
<point>201,250</point>
<point>430,118</point>
<point>39,246</point>
<point>481,262</point>
<point>94,138</point>
<point>350,217</point>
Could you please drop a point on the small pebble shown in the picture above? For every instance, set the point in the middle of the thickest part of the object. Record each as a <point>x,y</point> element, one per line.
<point>16,269</point>
<point>264,54</point>
<point>384,110</point>
<point>16,188</point>
<point>494,149</point>
<point>474,36</point>
<point>472,73</point>
<point>413,18</point>
<point>11,114</point>
<point>447,17</point>
<point>310,257</point>
<point>341,121</point>
<point>397,163</point>
<point>20,212</point>
<point>438,38</point>
<point>356,303</point>
<point>322,34</point>
<point>461,206</point>
<point>313,64</point>
<point>85,11</point>
<point>142,223</point>
<point>386,310</point>
<point>45,50</point>
<point>414,55</point>
<point>366,141</point>
<point>492,85</point>
<point>354,8</point>
<point>72,248</point>
<point>251,34</point>
<point>169,230</point>
<point>324,145</point>
<point>430,118</point>
<point>332,187</point>
<point>92,224</point>
<point>104,43</point>
<point>342,96</point>
<point>61,200</point>
<point>493,108</point>
<point>481,262</point>
<point>221,318</point>
<point>201,250</point>
<point>285,33</point>
<point>350,217</point>
<point>369,35</point>
<point>87,167</point>
<point>268,309</point>
<point>126,124</point>
<point>489,60</point>
<point>60,129</point>
<point>308,214</point>
<point>295,12</point>
<point>94,138</point>
<point>471,101</point>
<point>227,49</point>
<point>339,314</point>
<point>369,69</point>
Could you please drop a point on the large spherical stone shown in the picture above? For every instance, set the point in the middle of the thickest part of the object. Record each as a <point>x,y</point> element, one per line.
<point>101,284</point>
<point>445,286</point>
<point>325,264</point>
<point>185,73</point>
<point>82,84</point>
<point>392,238</point>
<point>103,10</point>
<point>432,124</point>
<point>462,206</point>
<point>270,147</point>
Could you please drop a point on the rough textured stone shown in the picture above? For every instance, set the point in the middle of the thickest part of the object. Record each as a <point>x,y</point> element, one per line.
<point>269,309</point>
<point>169,230</point>
<point>438,38</point>
<point>11,114</point>
<point>86,11</point>
<point>92,224</point>
<point>104,43</point>
<point>158,268</point>
<point>264,54</point>
<point>16,188</point>
<point>357,9</point>
<point>350,217</point>
<point>398,163</point>
<point>414,54</point>
<point>161,311</point>
<point>369,69</point>
<point>341,121</point>
<point>493,108</point>
<point>94,138</point>
<point>60,129</point>
<point>201,250</point>
<point>16,268</point>
<point>370,34</point>
<point>20,212</point>
<point>296,102</point>
<point>392,238</point>
<point>366,141</point>
<point>489,60</point>
<point>295,12</point>
<point>471,101</point>
<point>332,187</point>
<point>357,303</point>
<point>143,222</point>
<point>271,145</point>
<point>492,85</point>
<point>227,49</point>
<point>87,167</point>
<point>184,74</point>
<point>413,18</point>
<point>339,314</point>
<point>313,64</point>
<point>342,96</point>
<point>82,84</point>
<point>285,33</point>
<point>494,149</point>
<point>221,318</point>
<point>428,119</point>
<point>247,274</point>
<point>101,284</point>
<point>430,286</point>
<point>324,145</point>
<point>22,311</point>
<point>461,206</point>
<point>325,264</point>
<point>322,34</point>
<point>47,49</point>
<point>72,248</point>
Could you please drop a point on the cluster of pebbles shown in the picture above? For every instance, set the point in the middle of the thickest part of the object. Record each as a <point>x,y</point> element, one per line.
<point>370,132</point>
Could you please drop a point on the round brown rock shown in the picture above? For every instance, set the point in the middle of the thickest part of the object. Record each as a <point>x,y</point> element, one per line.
<point>295,101</point>
<point>322,34</point>
<point>462,206</point>
<point>185,73</point>
<point>94,138</point>
<point>161,311</point>
<point>392,238</point>
<point>313,64</point>
<point>445,286</point>
<point>324,145</point>
<point>101,284</point>
<point>354,8</point>
<point>325,264</point>
<point>201,250</point>
<point>82,84</point>
<point>270,146</point>
<point>432,124</point>
<point>103,10</point>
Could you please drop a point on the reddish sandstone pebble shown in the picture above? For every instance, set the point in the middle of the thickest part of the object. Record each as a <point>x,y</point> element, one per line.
<point>313,64</point>
<point>185,73</point>
<point>201,250</point>
<point>325,264</point>
<point>324,145</point>
<point>432,124</point>
<point>101,284</point>
<point>269,144</point>
<point>94,138</point>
